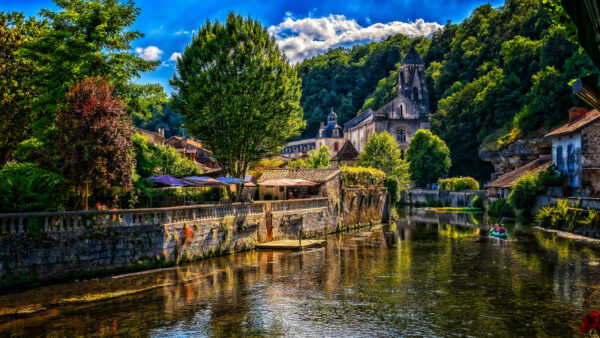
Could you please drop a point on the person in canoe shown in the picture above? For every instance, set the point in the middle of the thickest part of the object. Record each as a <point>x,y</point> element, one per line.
<point>501,230</point>
<point>495,228</point>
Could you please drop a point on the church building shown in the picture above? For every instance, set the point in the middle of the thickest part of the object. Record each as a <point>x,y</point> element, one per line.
<point>401,117</point>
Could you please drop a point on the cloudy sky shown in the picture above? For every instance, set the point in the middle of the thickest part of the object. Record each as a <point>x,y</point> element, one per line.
<point>303,28</point>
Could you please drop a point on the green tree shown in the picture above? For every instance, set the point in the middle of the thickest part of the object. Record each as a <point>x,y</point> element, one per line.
<point>26,188</point>
<point>428,158</point>
<point>93,139</point>
<point>90,38</point>
<point>237,93</point>
<point>315,160</point>
<point>17,93</point>
<point>381,152</point>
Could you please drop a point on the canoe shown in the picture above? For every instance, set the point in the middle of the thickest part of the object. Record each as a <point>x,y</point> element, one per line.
<point>499,235</point>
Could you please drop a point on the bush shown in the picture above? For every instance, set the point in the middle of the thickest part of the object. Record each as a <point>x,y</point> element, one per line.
<point>477,202</point>
<point>361,176</point>
<point>26,188</point>
<point>528,186</point>
<point>164,160</point>
<point>561,216</point>
<point>500,208</point>
<point>458,184</point>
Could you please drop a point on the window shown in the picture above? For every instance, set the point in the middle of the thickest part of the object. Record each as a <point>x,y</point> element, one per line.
<point>401,137</point>
<point>570,158</point>
<point>336,146</point>
<point>415,93</point>
<point>401,110</point>
<point>336,133</point>
<point>402,154</point>
<point>559,158</point>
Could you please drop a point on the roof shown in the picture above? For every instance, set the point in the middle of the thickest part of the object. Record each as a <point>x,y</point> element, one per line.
<point>148,132</point>
<point>287,182</point>
<point>358,119</point>
<point>576,125</point>
<point>346,153</point>
<point>508,180</point>
<point>313,175</point>
<point>412,57</point>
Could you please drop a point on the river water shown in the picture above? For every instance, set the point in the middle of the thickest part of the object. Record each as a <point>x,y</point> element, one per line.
<point>427,274</point>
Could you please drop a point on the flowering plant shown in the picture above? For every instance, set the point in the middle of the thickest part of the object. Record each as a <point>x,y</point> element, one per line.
<point>101,206</point>
<point>591,324</point>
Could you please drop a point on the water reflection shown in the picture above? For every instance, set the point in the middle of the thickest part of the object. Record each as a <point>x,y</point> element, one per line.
<point>427,274</point>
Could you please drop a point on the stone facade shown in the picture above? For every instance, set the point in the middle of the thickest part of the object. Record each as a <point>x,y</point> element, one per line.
<point>401,117</point>
<point>590,159</point>
<point>517,154</point>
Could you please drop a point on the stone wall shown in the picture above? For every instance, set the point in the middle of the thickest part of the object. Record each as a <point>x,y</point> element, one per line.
<point>444,198</point>
<point>51,245</point>
<point>590,159</point>
<point>516,154</point>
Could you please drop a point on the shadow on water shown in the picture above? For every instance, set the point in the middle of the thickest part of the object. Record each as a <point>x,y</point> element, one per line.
<point>427,274</point>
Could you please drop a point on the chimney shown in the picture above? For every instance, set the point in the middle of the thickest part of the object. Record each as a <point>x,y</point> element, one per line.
<point>161,132</point>
<point>575,113</point>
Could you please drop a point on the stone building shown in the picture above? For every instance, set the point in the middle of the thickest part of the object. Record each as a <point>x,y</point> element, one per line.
<point>576,151</point>
<point>401,117</point>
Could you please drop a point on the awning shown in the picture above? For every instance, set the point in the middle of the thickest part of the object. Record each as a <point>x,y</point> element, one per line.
<point>233,180</point>
<point>203,181</point>
<point>287,182</point>
<point>168,180</point>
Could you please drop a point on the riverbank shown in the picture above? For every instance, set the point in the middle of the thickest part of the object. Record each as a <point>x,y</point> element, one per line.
<point>569,235</point>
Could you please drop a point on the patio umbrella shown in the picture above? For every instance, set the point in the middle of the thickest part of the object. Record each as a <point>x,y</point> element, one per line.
<point>203,181</point>
<point>168,180</point>
<point>287,182</point>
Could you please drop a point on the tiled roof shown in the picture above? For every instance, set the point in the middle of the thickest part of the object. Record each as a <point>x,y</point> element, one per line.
<point>347,152</point>
<point>574,126</point>
<point>357,120</point>
<point>313,175</point>
<point>508,180</point>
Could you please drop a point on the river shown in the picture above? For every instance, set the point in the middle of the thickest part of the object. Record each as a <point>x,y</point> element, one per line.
<point>427,274</point>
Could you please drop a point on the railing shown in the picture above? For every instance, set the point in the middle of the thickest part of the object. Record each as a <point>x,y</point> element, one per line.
<point>76,220</point>
<point>300,204</point>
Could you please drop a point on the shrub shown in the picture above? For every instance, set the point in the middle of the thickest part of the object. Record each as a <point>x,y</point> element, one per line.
<point>152,159</point>
<point>500,208</point>
<point>26,188</point>
<point>361,176</point>
<point>477,202</point>
<point>560,216</point>
<point>459,183</point>
<point>528,186</point>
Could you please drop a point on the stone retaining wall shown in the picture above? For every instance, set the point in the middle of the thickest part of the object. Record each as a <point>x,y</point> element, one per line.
<point>444,198</point>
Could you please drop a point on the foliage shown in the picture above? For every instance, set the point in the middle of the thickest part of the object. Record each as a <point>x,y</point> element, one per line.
<point>562,216</point>
<point>258,168</point>
<point>361,176</point>
<point>350,78</point>
<point>90,38</point>
<point>528,186</point>
<point>506,65</point>
<point>161,160</point>
<point>315,160</point>
<point>26,188</point>
<point>237,92</point>
<point>17,93</point>
<point>428,158</point>
<point>169,197</point>
<point>458,184</point>
<point>94,137</point>
<point>382,152</point>
<point>478,203</point>
<point>161,116</point>
<point>501,208</point>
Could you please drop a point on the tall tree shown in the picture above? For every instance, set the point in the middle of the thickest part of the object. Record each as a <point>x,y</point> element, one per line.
<point>94,138</point>
<point>428,158</point>
<point>91,38</point>
<point>17,93</point>
<point>237,92</point>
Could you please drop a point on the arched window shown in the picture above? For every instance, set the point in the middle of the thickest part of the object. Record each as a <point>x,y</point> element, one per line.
<point>336,133</point>
<point>402,153</point>
<point>401,111</point>
<point>415,93</point>
<point>401,137</point>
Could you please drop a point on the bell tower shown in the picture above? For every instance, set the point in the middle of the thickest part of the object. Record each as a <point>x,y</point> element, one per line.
<point>411,79</point>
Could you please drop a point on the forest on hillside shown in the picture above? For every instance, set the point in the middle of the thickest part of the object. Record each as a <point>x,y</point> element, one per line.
<point>502,74</point>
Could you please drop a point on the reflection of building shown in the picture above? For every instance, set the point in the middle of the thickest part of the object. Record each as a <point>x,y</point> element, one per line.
<point>576,151</point>
<point>192,150</point>
<point>401,117</point>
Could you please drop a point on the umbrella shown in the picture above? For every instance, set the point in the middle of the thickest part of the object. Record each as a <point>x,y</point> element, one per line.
<point>203,181</point>
<point>230,180</point>
<point>168,180</point>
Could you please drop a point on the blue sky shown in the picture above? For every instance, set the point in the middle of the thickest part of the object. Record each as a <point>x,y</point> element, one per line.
<point>303,28</point>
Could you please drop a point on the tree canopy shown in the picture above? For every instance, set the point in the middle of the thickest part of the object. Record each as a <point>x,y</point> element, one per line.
<point>315,160</point>
<point>237,92</point>
<point>428,158</point>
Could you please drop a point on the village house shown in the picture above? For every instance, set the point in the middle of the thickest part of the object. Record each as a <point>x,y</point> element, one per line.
<point>502,186</point>
<point>576,152</point>
<point>277,184</point>
<point>158,138</point>
<point>401,117</point>
<point>347,156</point>
<point>192,150</point>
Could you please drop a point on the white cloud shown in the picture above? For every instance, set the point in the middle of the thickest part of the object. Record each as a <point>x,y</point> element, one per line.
<point>150,53</point>
<point>175,56</point>
<point>304,38</point>
<point>181,31</point>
